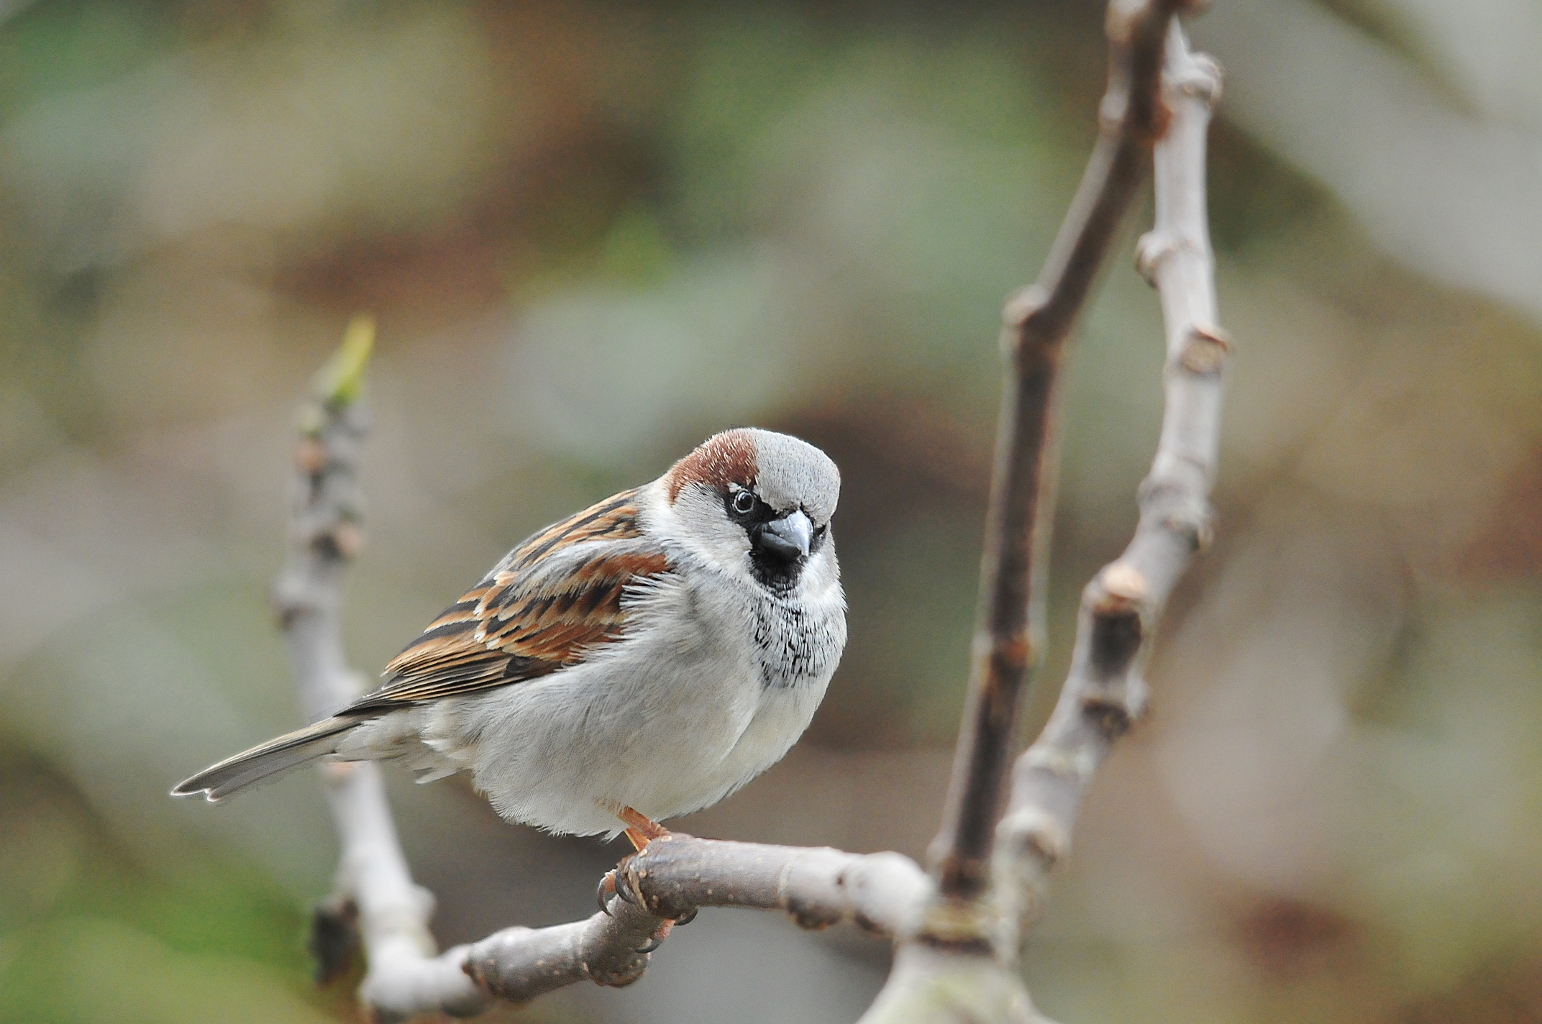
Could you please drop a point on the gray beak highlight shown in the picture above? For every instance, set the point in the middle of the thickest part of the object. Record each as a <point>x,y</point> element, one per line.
<point>787,538</point>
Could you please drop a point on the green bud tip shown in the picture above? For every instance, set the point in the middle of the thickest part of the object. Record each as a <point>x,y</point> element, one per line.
<point>342,378</point>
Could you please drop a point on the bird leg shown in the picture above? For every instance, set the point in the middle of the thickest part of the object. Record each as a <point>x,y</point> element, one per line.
<point>640,828</point>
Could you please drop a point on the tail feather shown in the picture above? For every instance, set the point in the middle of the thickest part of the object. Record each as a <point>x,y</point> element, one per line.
<point>269,759</point>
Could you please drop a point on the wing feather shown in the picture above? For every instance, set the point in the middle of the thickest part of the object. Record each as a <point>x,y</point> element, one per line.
<point>549,603</point>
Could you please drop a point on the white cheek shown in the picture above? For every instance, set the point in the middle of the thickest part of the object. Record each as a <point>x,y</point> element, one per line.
<point>822,575</point>
<point>704,526</point>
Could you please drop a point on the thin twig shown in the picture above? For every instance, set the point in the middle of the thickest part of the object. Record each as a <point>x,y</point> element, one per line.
<point>374,885</point>
<point>1104,691</point>
<point>1036,322</point>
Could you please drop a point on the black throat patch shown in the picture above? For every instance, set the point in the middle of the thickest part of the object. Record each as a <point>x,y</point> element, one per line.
<point>776,575</point>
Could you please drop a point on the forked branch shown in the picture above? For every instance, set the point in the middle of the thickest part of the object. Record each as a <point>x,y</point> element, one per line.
<point>1104,691</point>
<point>962,962</point>
<point>1036,323</point>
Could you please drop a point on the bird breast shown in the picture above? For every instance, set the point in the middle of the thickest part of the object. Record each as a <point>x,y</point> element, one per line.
<point>797,642</point>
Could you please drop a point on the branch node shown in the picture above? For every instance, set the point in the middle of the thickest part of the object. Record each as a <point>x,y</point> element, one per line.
<point>1046,758</point>
<point>1204,350</point>
<point>310,455</point>
<point>1020,308</point>
<point>802,901</point>
<point>292,596</point>
<point>334,938</point>
<point>809,917</point>
<point>1154,248</point>
<point>1034,832</point>
<point>1200,77</point>
<point>1199,529</point>
<point>1109,714</point>
<point>342,542</point>
<point>1120,590</point>
<point>1177,508</point>
<point>348,538</point>
<point>619,970</point>
<point>1117,599</point>
<point>964,926</point>
<point>1010,651</point>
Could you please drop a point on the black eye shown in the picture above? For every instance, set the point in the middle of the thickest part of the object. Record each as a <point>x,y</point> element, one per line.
<point>743,503</point>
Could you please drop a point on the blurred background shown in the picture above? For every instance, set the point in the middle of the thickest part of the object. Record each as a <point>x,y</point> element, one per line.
<point>594,233</point>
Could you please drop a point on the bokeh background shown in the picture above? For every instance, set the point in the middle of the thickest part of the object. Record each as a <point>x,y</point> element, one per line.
<point>594,233</point>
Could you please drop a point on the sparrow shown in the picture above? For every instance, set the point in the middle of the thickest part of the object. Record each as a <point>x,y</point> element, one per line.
<point>637,661</point>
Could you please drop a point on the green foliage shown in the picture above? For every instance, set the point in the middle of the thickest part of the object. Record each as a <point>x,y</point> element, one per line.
<point>89,935</point>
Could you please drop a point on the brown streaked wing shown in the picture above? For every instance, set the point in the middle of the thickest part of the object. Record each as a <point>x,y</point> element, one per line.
<point>519,623</point>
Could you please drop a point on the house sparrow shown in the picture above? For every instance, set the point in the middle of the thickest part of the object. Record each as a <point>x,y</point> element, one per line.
<point>637,661</point>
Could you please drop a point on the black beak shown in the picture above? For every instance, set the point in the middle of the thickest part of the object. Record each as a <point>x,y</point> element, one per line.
<point>787,538</point>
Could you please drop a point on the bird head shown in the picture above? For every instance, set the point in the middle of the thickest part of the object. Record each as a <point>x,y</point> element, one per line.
<point>758,503</point>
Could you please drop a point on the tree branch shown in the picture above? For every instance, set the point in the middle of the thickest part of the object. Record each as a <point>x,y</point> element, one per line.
<point>1104,691</point>
<point>674,876</point>
<point>961,964</point>
<point>376,898</point>
<point>1036,322</point>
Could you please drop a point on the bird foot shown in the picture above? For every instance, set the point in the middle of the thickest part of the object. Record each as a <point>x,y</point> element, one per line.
<point>614,883</point>
<point>657,938</point>
<point>640,828</point>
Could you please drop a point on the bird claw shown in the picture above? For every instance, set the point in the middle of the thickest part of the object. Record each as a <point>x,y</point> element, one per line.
<point>615,883</point>
<point>606,890</point>
<point>657,938</point>
<point>623,884</point>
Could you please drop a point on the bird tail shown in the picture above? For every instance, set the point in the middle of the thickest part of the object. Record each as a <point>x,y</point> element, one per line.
<point>268,759</point>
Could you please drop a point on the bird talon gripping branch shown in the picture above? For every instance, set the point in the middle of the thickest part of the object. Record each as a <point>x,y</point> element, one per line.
<point>657,938</point>
<point>626,883</point>
<point>606,890</point>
